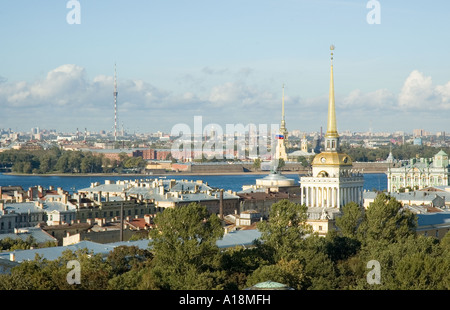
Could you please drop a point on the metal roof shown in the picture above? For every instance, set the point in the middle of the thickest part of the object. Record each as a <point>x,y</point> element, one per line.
<point>435,218</point>
<point>24,233</point>
<point>235,238</point>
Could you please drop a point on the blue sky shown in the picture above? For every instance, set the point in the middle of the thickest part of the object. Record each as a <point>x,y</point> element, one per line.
<point>226,61</point>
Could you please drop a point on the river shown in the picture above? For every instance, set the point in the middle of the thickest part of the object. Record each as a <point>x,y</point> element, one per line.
<point>72,183</point>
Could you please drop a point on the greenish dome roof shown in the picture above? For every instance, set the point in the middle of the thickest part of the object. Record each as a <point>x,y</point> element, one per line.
<point>270,285</point>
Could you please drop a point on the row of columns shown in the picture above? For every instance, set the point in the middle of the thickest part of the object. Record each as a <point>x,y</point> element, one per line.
<point>330,196</point>
<point>422,182</point>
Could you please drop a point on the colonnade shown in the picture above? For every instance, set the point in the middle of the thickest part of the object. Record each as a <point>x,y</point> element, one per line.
<point>330,196</point>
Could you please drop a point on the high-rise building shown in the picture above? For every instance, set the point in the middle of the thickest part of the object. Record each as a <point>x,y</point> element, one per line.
<point>333,182</point>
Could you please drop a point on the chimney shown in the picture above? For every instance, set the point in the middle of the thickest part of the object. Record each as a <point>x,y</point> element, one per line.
<point>147,219</point>
<point>65,198</point>
<point>221,205</point>
<point>172,183</point>
<point>121,221</point>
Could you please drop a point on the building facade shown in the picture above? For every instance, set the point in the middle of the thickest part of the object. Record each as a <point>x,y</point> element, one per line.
<point>420,173</point>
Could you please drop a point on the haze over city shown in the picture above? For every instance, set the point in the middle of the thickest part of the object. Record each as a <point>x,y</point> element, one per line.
<point>225,61</point>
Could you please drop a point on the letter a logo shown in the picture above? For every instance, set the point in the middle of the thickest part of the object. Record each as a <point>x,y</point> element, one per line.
<point>374,16</point>
<point>74,276</point>
<point>374,275</point>
<point>74,16</point>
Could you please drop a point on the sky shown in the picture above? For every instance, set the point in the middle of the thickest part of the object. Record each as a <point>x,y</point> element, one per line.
<point>226,61</point>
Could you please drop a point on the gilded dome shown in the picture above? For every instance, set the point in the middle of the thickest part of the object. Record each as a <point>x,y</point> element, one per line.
<point>332,159</point>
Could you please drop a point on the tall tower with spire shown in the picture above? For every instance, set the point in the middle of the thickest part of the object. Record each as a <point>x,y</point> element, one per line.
<point>283,129</point>
<point>331,136</point>
<point>115,93</point>
<point>282,136</point>
<point>333,182</point>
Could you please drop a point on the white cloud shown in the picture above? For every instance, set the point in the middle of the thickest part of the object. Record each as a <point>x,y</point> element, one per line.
<point>66,98</point>
<point>417,91</point>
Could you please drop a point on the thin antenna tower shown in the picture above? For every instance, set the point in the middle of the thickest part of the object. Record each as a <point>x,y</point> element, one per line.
<point>115,103</point>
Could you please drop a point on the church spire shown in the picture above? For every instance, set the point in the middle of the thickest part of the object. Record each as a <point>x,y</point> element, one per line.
<point>331,128</point>
<point>282,109</point>
<point>331,136</point>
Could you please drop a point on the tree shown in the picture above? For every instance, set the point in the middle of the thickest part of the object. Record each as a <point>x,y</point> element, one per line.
<point>410,263</point>
<point>240,262</point>
<point>386,220</point>
<point>286,272</point>
<point>284,230</point>
<point>184,246</point>
<point>303,160</point>
<point>257,164</point>
<point>348,223</point>
<point>281,163</point>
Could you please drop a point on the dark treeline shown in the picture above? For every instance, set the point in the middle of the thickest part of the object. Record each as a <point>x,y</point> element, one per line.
<point>184,255</point>
<point>400,152</point>
<point>55,160</point>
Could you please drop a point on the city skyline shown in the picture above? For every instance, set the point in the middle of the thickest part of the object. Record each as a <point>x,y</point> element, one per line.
<point>225,61</point>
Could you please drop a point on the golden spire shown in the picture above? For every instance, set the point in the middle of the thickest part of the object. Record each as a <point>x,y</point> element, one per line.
<point>283,129</point>
<point>331,128</point>
<point>282,106</point>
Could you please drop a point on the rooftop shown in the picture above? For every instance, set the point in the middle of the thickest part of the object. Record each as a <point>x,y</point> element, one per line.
<point>236,238</point>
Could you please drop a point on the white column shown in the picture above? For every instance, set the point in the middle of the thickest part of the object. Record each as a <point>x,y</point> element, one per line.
<point>339,197</point>
<point>328,196</point>
<point>309,197</point>
<point>333,197</point>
